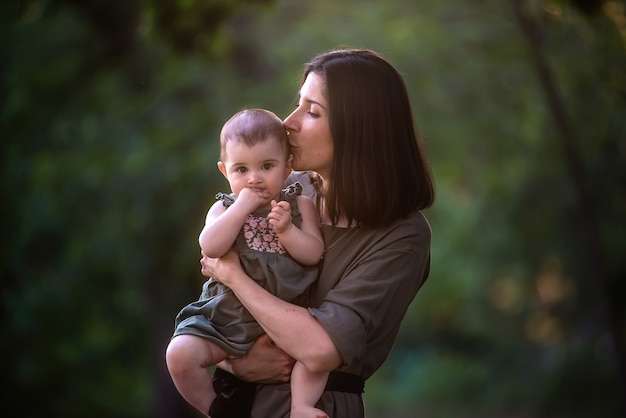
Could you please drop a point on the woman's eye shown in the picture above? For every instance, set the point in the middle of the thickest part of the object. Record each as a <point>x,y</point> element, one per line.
<point>313,114</point>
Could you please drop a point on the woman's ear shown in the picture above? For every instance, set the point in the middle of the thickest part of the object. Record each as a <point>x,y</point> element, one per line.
<point>222,168</point>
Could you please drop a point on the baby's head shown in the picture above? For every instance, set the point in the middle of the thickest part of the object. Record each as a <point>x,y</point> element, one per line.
<point>252,127</point>
<point>255,154</point>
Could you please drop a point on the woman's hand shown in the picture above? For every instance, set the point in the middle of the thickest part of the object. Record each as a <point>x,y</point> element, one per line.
<point>222,268</point>
<point>263,363</point>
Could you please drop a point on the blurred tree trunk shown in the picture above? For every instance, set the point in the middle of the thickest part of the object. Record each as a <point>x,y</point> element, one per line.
<point>587,212</point>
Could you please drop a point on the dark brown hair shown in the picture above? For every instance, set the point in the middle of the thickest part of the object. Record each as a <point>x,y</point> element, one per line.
<point>253,126</point>
<point>379,171</point>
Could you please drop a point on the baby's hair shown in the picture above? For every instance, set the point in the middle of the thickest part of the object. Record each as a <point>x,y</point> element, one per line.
<point>253,126</point>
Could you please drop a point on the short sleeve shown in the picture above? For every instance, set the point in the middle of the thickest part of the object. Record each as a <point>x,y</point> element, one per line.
<point>344,327</point>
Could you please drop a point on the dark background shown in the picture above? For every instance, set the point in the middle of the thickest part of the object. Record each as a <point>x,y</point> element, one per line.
<point>109,123</point>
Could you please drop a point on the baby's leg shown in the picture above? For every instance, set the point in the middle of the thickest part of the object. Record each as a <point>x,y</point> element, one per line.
<point>306,389</point>
<point>187,358</point>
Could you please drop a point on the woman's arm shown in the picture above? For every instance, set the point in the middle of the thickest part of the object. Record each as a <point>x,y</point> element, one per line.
<point>291,327</point>
<point>262,363</point>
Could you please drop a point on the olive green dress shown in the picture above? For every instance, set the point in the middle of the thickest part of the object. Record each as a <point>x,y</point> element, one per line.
<point>367,280</point>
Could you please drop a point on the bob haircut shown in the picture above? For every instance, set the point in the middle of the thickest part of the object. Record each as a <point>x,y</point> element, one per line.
<point>251,127</point>
<point>379,171</point>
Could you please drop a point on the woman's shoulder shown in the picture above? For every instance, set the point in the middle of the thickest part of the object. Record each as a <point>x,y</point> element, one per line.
<point>415,222</point>
<point>410,232</point>
<point>419,221</point>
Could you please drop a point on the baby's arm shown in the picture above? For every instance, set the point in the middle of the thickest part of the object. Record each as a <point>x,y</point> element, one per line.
<point>222,226</point>
<point>304,244</point>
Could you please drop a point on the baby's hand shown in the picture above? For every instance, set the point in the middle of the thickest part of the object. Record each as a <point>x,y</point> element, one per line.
<point>250,199</point>
<point>280,216</point>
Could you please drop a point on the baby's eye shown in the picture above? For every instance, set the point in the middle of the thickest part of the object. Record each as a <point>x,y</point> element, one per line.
<point>267,166</point>
<point>241,170</point>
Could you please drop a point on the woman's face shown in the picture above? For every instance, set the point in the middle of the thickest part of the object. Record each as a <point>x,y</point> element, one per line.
<point>309,129</point>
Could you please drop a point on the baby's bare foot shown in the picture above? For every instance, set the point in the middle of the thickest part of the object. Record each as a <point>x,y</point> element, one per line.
<point>306,411</point>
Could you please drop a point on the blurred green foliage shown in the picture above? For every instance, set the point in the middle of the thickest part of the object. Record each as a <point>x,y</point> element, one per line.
<point>109,124</point>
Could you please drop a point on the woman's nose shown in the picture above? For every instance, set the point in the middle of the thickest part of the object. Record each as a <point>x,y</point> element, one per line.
<point>290,122</point>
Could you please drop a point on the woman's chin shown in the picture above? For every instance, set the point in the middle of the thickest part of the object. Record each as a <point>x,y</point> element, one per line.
<point>296,166</point>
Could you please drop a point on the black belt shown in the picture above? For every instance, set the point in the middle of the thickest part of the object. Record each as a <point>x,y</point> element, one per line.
<point>344,382</point>
<point>235,397</point>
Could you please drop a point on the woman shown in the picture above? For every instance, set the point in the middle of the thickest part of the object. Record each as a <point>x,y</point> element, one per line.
<point>353,126</point>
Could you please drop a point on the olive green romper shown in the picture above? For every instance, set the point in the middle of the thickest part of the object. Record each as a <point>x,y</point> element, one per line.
<point>217,315</point>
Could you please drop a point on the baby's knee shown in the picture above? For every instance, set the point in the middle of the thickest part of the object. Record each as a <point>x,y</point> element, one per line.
<point>181,353</point>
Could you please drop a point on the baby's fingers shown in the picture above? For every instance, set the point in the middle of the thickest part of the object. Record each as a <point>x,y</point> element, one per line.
<point>282,205</point>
